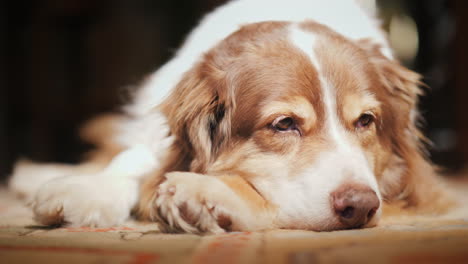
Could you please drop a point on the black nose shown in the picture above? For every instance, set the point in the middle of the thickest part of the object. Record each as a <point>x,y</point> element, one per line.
<point>354,205</point>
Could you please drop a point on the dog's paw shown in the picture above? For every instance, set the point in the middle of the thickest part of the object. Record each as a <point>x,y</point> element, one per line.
<point>84,201</point>
<point>194,203</point>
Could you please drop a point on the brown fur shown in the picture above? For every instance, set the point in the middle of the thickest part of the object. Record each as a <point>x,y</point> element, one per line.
<point>220,111</point>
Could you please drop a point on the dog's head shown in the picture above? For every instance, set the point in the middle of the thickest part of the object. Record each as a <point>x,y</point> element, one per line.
<point>321,126</point>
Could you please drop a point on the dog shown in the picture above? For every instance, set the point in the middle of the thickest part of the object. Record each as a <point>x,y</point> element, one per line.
<point>273,114</point>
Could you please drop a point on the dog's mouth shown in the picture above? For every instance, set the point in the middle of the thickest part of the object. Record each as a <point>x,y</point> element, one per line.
<point>350,206</point>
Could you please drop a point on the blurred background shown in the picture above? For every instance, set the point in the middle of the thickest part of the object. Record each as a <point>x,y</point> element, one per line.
<point>65,61</point>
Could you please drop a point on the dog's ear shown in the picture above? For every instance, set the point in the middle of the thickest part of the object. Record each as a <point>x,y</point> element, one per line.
<point>409,176</point>
<point>199,115</point>
<point>198,112</point>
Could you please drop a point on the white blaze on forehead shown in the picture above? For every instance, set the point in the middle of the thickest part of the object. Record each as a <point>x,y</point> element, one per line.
<point>306,41</point>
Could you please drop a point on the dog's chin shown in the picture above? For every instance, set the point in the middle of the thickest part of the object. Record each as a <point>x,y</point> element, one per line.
<point>329,224</point>
<point>335,225</point>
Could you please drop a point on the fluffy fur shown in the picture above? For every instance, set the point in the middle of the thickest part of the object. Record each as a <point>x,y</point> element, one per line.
<point>268,109</point>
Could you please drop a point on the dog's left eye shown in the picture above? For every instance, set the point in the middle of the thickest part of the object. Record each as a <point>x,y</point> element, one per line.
<point>364,120</point>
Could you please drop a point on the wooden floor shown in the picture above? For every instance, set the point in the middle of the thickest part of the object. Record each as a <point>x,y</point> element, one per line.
<point>413,241</point>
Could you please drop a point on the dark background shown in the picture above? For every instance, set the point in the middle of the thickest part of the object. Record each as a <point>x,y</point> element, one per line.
<point>63,62</point>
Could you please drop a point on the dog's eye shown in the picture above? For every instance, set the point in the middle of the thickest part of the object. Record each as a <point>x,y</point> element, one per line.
<point>284,123</point>
<point>365,120</point>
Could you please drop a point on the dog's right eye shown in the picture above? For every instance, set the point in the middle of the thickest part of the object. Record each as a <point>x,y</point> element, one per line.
<point>284,123</point>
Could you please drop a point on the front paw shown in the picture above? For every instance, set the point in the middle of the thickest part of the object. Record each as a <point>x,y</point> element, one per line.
<point>84,201</point>
<point>194,203</point>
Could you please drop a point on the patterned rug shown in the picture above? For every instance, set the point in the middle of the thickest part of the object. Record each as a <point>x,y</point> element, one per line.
<point>409,241</point>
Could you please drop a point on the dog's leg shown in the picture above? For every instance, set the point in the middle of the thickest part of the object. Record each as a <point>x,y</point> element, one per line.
<point>29,176</point>
<point>195,203</point>
<point>100,199</point>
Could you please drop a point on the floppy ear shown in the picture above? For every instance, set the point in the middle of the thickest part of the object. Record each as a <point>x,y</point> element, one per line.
<point>409,176</point>
<point>199,115</point>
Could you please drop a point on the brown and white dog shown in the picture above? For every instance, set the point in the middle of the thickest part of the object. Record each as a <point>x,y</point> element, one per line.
<point>274,114</point>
